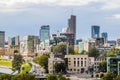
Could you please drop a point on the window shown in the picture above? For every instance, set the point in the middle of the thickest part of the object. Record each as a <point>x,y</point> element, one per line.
<point>74,69</point>
<point>81,63</point>
<point>74,63</point>
<point>78,63</point>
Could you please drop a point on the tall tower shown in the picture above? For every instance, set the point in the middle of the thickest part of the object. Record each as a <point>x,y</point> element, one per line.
<point>72,26</point>
<point>2,39</point>
<point>95,32</point>
<point>105,36</point>
<point>44,32</point>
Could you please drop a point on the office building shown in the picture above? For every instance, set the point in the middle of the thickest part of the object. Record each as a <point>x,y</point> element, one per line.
<point>2,39</point>
<point>44,33</point>
<point>113,64</point>
<point>77,63</point>
<point>14,41</point>
<point>105,36</point>
<point>71,30</point>
<point>28,45</point>
<point>78,40</point>
<point>95,31</point>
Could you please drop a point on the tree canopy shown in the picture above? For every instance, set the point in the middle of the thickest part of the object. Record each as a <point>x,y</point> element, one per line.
<point>17,62</point>
<point>60,67</point>
<point>103,66</point>
<point>43,61</point>
<point>93,52</point>
<point>62,48</point>
<point>52,77</point>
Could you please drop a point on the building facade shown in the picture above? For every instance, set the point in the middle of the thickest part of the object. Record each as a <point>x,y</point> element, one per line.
<point>77,63</point>
<point>28,45</point>
<point>113,64</point>
<point>2,39</point>
<point>14,41</point>
<point>44,33</point>
<point>105,36</point>
<point>95,31</point>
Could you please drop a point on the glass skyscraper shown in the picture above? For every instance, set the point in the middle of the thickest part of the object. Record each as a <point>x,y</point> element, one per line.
<point>95,32</point>
<point>44,33</point>
<point>105,36</point>
<point>2,39</point>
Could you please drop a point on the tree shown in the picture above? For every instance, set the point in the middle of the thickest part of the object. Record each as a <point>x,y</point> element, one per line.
<point>103,66</point>
<point>5,77</point>
<point>24,77</point>
<point>17,62</point>
<point>52,77</point>
<point>93,52</point>
<point>43,61</point>
<point>109,76</point>
<point>60,67</point>
<point>111,54</point>
<point>62,48</point>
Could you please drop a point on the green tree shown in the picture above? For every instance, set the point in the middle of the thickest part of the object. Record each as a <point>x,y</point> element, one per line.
<point>93,52</point>
<point>5,77</point>
<point>24,77</point>
<point>111,54</point>
<point>17,62</point>
<point>43,61</point>
<point>62,47</point>
<point>52,77</point>
<point>103,66</point>
<point>109,76</point>
<point>60,67</point>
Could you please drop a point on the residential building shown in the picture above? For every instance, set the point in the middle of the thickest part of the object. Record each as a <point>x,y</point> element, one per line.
<point>2,39</point>
<point>97,62</point>
<point>44,33</point>
<point>95,31</point>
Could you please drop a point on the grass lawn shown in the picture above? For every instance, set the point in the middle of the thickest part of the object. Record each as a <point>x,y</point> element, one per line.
<point>26,68</point>
<point>6,63</point>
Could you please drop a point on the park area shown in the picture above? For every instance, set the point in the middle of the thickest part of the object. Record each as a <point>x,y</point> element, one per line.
<point>5,63</point>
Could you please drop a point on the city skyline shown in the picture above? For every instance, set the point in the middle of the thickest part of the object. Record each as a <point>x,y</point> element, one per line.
<point>25,17</point>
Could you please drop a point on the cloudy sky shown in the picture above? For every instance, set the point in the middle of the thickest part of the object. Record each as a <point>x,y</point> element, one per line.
<point>24,17</point>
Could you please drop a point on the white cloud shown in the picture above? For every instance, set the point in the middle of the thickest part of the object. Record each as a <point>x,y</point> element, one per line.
<point>116,16</point>
<point>111,4</point>
<point>19,5</point>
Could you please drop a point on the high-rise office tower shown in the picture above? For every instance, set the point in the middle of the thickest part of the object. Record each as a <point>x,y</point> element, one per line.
<point>72,26</point>
<point>95,32</point>
<point>44,33</point>
<point>105,36</point>
<point>14,41</point>
<point>2,39</point>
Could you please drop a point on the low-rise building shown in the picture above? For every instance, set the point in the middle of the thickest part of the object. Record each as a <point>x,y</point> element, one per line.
<point>77,63</point>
